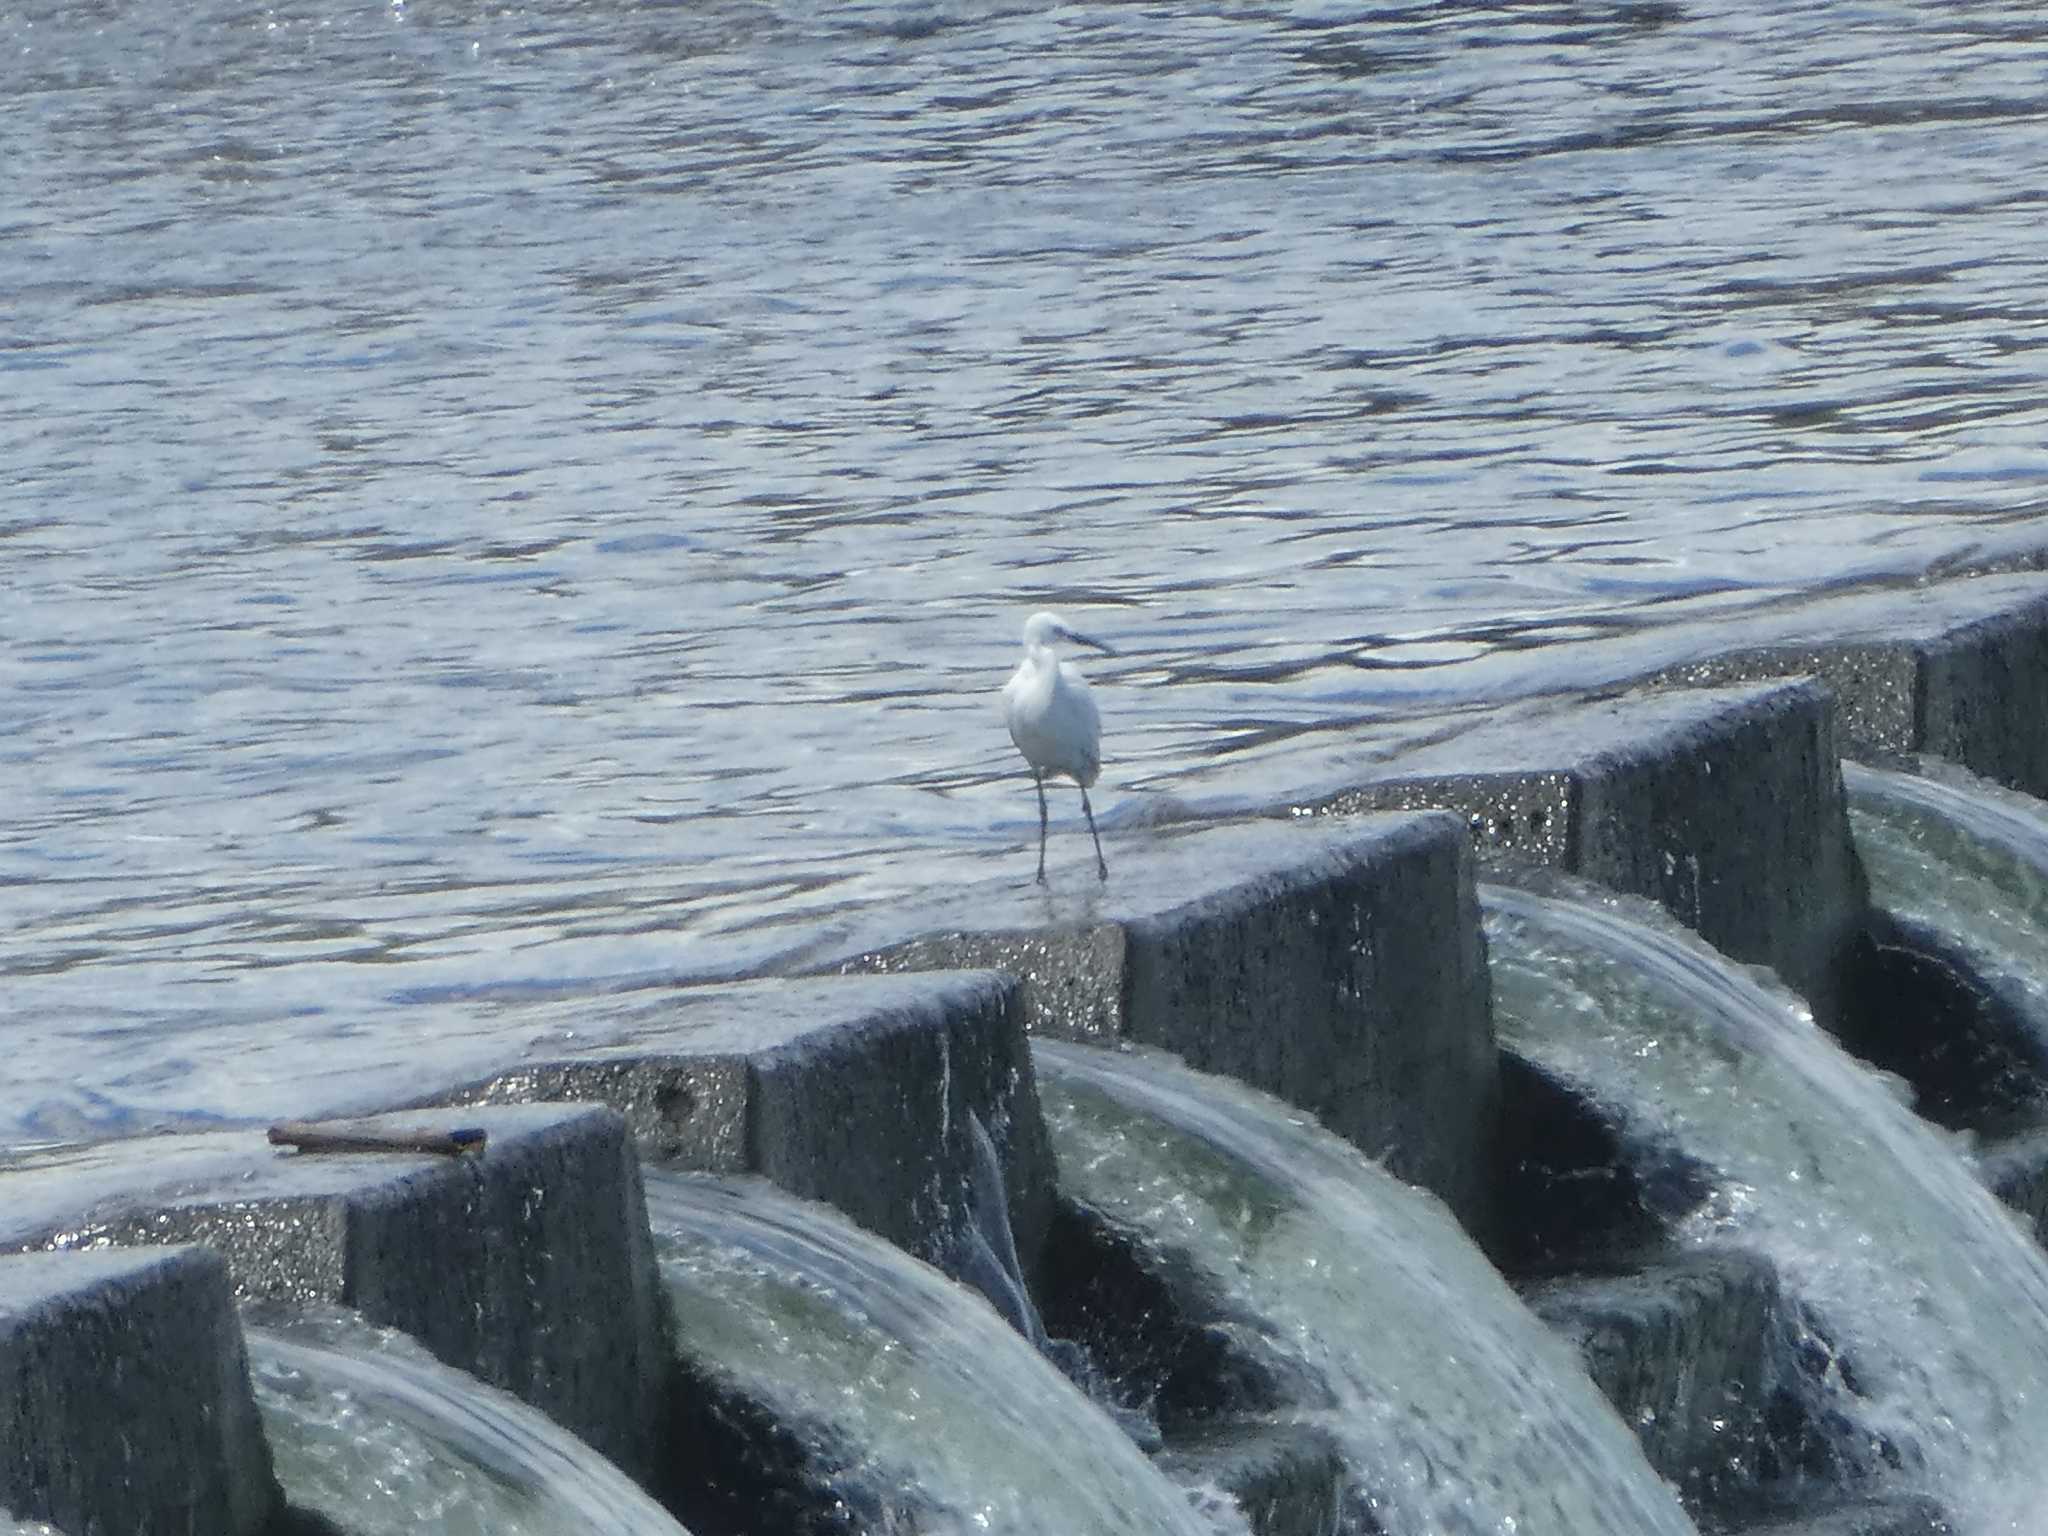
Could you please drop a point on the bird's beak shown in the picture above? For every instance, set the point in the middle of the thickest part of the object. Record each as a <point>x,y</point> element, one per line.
<point>1095,645</point>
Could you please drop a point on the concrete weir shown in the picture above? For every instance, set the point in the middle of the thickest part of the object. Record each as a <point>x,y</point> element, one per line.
<point>1327,950</point>
<point>526,1263</point>
<point>124,1395</point>
<point>1724,805</point>
<point>1340,968</point>
<point>1953,669</point>
<point>859,1092</point>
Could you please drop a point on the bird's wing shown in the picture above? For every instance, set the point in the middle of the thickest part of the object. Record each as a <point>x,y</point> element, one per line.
<point>1078,725</point>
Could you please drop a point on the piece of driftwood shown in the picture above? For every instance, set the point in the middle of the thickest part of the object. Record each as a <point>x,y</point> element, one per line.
<point>306,1136</point>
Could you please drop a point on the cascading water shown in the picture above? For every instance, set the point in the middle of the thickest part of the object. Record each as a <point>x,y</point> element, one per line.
<point>1454,1408</point>
<point>370,1432</point>
<point>1963,858</point>
<point>1935,1300</point>
<point>911,1382</point>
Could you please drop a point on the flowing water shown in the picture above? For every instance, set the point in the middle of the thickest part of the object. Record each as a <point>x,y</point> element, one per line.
<point>1962,858</point>
<point>913,1385</point>
<point>539,490</point>
<point>368,1430</point>
<point>1935,1299</point>
<point>1456,1410</point>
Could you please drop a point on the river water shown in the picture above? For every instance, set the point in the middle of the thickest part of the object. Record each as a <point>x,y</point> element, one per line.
<point>500,493</point>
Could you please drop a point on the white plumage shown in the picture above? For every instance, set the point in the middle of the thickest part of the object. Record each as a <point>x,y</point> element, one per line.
<point>1053,720</point>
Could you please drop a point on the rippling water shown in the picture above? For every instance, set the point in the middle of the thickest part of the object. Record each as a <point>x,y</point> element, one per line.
<point>503,491</point>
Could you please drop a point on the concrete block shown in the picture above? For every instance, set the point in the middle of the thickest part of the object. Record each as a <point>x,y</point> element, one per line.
<point>1725,805</point>
<point>124,1396</point>
<point>1958,669</point>
<point>1287,1480</point>
<point>1585,1195</point>
<point>860,1092</point>
<point>527,1263</point>
<point>1683,1350</point>
<point>1339,967</point>
<point>1735,1393</point>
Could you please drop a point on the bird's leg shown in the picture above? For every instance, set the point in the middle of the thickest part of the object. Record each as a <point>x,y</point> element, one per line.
<point>1039,779</point>
<point>1101,868</point>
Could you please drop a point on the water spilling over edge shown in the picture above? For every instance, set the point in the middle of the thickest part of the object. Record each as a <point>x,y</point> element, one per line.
<point>916,1376</point>
<point>369,1430</point>
<point>1935,1298</point>
<point>1457,1410</point>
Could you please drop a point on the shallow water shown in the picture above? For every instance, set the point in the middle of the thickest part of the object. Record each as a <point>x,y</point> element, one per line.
<point>524,491</point>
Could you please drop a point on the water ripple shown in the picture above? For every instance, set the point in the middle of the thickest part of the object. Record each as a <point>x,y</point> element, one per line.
<point>490,482</point>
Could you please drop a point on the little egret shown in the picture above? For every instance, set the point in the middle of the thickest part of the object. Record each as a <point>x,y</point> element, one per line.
<point>1053,721</point>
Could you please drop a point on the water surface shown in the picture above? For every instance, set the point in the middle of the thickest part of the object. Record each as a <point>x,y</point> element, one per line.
<point>550,490</point>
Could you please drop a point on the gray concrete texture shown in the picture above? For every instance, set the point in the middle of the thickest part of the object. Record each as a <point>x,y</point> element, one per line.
<point>854,1091</point>
<point>1725,805</point>
<point>527,1263</point>
<point>1709,784</point>
<point>125,1403</point>
<point>1957,668</point>
<point>1339,967</point>
<point>1684,1351</point>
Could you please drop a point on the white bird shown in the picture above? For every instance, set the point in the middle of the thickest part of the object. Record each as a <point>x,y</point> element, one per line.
<point>1053,721</point>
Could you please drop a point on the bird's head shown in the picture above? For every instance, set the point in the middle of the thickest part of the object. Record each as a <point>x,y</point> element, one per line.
<point>1043,629</point>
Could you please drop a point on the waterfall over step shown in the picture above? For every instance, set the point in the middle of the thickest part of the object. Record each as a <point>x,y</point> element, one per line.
<point>1453,1409</point>
<point>855,1388</point>
<point>1962,865</point>
<point>1927,1301</point>
<point>377,1438</point>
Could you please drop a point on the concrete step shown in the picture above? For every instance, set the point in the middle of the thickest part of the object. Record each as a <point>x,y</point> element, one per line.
<point>1951,668</point>
<point>857,1091</point>
<point>1286,1479</point>
<point>526,1262</point>
<point>1685,1350</point>
<point>1339,967</point>
<point>1724,805</point>
<point>125,1402</point>
<point>1721,1378</point>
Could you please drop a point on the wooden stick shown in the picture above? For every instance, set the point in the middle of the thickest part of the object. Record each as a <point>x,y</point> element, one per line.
<point>306,1136</point>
